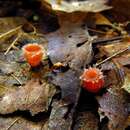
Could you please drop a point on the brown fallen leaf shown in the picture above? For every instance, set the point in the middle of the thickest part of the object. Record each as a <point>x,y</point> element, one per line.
<point>17,123</point>
<point>126,85</point>
<point>110,49</point>
<point>84,6</point>
<point>12,72</point>
<point>34,97</point>
<point>120,10</point>
<point>86,121</point>
<point>101,20</point>
<point>10,27</point>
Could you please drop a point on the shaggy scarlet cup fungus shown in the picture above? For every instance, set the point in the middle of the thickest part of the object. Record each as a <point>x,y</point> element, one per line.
<point>33,53</point>
<point>93,79</point>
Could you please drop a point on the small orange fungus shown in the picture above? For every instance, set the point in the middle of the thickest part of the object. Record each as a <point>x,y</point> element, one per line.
<point>33,53</point>
<point>93,79</point>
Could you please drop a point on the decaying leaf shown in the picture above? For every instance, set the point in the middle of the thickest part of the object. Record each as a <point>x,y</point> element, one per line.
<point>114,105</point>
<point>34,97</point>
<point>61,117</point>
<point>24,88</point>
<point>84,6</point>
<point>13,72</point>
<point>17,123</point>
<point>110,49</point>
<point>101,20</point>
<point>120,10</point>
<point>86,121</point>
<point>70,45</point>
<point>10,27</point>
<point>69,83</point>
<point>126,85</point>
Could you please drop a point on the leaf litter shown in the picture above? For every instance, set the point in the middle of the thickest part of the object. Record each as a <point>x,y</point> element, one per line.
<point>51,91</point>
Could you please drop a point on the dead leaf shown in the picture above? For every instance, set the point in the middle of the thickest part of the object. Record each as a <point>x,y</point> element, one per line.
<point>84,6</point>
<point>69,83</point>
<point>120,10</point>
<point>70,45</point>
<point>34,97</point>
<point>10,27</point>
<point>108,50</point>
<point>61,117</point>
<point>16,123</point>
<point>101,20</point>
<point>113,105</point>
<point>126,85</point>
<point>86,121</point>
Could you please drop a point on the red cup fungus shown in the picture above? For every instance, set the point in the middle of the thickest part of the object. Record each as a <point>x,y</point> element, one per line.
<point>92,79</point>
<point>33,53</point>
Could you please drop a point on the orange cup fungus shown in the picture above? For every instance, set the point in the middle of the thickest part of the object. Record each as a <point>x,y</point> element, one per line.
<point>92,79</point>
<point>33,53</point>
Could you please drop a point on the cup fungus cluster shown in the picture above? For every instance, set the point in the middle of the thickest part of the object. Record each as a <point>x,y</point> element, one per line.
<point>92,78</point>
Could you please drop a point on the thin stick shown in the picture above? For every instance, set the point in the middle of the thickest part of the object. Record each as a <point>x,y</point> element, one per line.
<point>97,31</point>
<point>9,32</point>
<point>119,52</point>
<point>13,123</point>
<point>16,79</point>
<point>12,44</point>
<point>105,40</point>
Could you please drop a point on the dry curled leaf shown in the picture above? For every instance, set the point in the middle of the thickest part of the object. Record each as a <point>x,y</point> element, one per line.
<point>84,6</point>
<point>34,97</point>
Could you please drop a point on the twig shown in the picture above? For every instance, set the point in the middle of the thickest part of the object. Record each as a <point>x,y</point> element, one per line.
<point>13,123</point>
<point>9,32</point>
<point>12,44</point>
<point>119,52</point>
<point>105,40</point>
<point>34,29</point>
<point>97,31</point>
<point>16,79</point>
